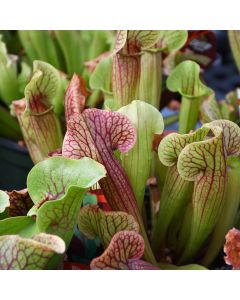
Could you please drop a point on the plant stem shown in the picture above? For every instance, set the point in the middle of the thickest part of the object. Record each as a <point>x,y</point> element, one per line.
<point>226,220</point>
<point>174,197</point>
<point>188,114</point>
<point>170,120</point>
<point>151,78</point>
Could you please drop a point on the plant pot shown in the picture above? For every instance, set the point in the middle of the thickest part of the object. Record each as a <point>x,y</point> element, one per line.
<point>15,163</point>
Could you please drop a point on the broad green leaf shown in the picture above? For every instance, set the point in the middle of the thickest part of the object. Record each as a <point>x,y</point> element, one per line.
<point>17,253</point>
<point>137,162</point>
<point>59,217</point>
<point>51,178</point>
<point>171,39</point>
<point>204,163</point>
<point>123,253</point>
<point>185,80</point>
<point>94,222</point>
<point>24,226</point>
<point>4,201</point>
<point>57,186</point>
<point>33,211</point>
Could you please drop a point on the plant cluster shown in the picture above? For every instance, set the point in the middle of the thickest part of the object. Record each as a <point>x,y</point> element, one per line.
<point>117,149</point>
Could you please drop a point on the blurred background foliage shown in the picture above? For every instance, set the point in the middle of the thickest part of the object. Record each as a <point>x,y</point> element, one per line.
<point>66,50</point>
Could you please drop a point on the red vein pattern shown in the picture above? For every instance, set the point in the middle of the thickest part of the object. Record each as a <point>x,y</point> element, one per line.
<point>42,132</point>
<point>75,97</point>
<point>40,127</point>
<point>126,66</point>
<point>121,38</point>
<point>93,222</point>
<point>176,191</point>
<point>17,253</point>
<point>205,162</point>
<point>138,264</point>
<point>95,134</point>
<point>20,203</point>
<point>232,248</point>
<point>59,217</point>
<point>125,78</point>
<point>123,253</point>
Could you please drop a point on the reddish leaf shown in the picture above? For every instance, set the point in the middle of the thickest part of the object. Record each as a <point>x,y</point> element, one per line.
<point>123,253</point>
<point>138,264</point>
<point>95,134</point>
<point>75,97</point>
<point>125,78</point>
<point>232,248</point>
